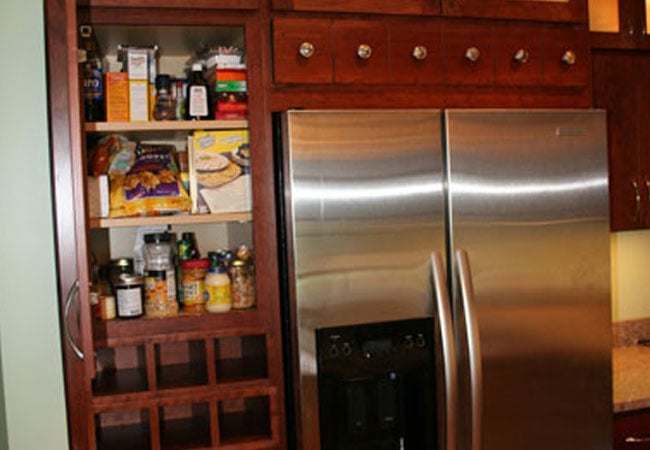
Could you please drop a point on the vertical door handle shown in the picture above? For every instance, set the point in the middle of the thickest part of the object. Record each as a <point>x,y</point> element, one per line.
<point>473,346</point>
<point>448,349</point>
<point>72,294</point>
<point>637,201</point>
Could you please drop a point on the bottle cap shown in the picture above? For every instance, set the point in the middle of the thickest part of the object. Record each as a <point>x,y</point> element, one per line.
<point>190,264</point>
<point>163,81</point>
<point>157,238</point>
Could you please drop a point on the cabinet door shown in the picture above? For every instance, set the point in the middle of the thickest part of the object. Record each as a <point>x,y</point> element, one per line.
<point>302,51</point>
<point>566,57</point>
<point>468,55</point>
<point>517,55</point>
<point>414,7</point>
<point>615,78</point>
<point>415,52</point>
<point>208,4</point>
<point>632,431</point>
<point>547,10</point>
<point>360,52</point>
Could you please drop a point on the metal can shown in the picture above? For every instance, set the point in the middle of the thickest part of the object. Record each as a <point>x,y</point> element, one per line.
<point>128,290</point>
<point>242,284</point>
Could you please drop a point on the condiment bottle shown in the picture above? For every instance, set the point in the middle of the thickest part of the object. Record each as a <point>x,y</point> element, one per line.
<point>217,287</point>
<point>93,77</point>
<point>164,108</point>
<point>198,95</point>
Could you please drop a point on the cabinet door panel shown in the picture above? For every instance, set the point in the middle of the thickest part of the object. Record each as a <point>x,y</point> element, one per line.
<point>458,41</point>
<point>614,90</point>
<point>407,38</point>
<point>207,4</point>
<point>635,425</point>
<point>547,10</point>
<point>289,65</point>
<point>560,44</point>
<point>518,56</point>
<point>350,36</point>
<point>415,7</point>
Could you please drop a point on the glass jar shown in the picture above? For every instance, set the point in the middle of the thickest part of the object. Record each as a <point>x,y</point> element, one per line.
<point>242,288</point>
<point>217,287</point>
<point>129,300</point>
<point>160,277</point>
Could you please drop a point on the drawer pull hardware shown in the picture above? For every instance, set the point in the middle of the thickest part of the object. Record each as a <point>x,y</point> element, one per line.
<point>364,51</point>
<point>637,201</point>
<point>637,440</point>
<point>521,56</point>
<point>72,295</point>
<point>569,58</point>
<point>420,52</point>
<point>473,54</point>
<point>307,49</point>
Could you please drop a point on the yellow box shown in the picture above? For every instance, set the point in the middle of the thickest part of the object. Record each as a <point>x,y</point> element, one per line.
<point>117,97</point>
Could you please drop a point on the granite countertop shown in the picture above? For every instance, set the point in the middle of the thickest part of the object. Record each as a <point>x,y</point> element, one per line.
<point>631,373</point>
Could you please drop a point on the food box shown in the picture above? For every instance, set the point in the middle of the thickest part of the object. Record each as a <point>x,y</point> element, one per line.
<point>220,171</point>
<point>98,193</point>
<point>117,97</point>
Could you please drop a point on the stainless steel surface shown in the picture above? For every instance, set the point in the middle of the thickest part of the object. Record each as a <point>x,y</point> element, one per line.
<point>473,54</point>
<point>420,52</point>
<point>307,50</point>
<point>569,58</point>
<point>528,199</point>
<point>473,347</point>
<point>365,211</point>
<point>521,56</point>
<point>364,51</point>
<point>443,312</point>
<point>72,294</point>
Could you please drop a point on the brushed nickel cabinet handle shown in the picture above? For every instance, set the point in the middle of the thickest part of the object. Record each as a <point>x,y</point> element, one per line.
<point>420,52</point>
<point>569,58</point>
<point>521,56</point>
<point>72,294</point>
<point>364,51</point>
<point>637,440</point>
<point>307,49</point>
<point>473,54</point>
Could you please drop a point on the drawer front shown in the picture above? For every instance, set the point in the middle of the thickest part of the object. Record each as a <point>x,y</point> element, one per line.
<point>415,52</point>
<point>518,56</point>
<point>468,55</point>
<point>632,431</point>
<point>361,52</point>
<point>302,51</point>
<point>412,7</point>
<point>559,45</point>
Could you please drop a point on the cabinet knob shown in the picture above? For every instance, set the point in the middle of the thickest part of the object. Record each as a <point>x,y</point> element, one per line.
<point>521,56</point>
<point>307,49</point>
<point>420,52</point>
<point>473,54</point>
<point>364,51</point>
<point>569,58</point>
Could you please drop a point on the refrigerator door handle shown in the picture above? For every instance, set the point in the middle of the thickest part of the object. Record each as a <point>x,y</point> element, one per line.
<point>473,345</point>
<point>443,307</point>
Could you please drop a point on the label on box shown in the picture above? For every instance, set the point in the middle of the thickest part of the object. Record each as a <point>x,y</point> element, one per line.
<point>117,97</point>
<point>137,64</point>
<point>138,100</point>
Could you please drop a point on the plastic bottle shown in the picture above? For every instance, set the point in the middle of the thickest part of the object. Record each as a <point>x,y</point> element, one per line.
<point>217,288</point>
<point>198,95</point>
<point>93,77</point>
<point>164,109</point>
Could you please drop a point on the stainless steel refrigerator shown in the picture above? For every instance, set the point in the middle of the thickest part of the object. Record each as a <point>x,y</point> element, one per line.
<point>446,279</point>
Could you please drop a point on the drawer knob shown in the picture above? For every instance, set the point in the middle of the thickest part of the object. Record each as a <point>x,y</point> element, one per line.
<point>521,56</point>
<point>420,52</point>
<point>473,54</point>
<point>307,49</point>
<point>364,51</point>
<point>569,58</point>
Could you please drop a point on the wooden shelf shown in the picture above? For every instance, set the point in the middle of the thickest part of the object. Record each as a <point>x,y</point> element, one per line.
<point>117,382</point>
<point>168,125</point>
<point>244,369</point>
<point>187,219</point>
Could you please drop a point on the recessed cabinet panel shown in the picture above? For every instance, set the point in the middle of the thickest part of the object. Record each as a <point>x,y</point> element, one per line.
<point>546,10</point>
<point>185,426</point>
<point>120,370</point>
<point>243,419</point>
<point>415,52</point>
<point>566,57</point>
<point>518,56</point>
<point>180,364</point>
<point>212,4</point>
<point>361,52</point>
<point>468,55</point>
<point>302,51</point>
<point>118,430</point>
<point>240,358</point>
<point>414,7</point>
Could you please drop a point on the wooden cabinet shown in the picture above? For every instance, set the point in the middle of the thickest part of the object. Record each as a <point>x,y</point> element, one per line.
<point>360,52</point>
<point>632,430</point>
<point>619,24</point>
<point>468,53</point>
<point>415,52</point>
<point>621,86</point>
<point>186,4</point>
<point>189,381</point>
<point>544,10</point>
<point>411,7</point>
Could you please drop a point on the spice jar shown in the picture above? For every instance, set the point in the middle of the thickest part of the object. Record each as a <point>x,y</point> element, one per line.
<point>128,290</point>
<point>242,288</point>
<point>193,283</point>
<point>160,277</point>
<point>217,287</point>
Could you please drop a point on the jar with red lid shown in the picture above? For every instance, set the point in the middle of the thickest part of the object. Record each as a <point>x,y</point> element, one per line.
<point>193,283</point>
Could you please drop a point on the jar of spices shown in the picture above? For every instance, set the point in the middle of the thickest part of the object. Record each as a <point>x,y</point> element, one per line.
<point>193,283</point>
<point>129,299</point>
<point>160,276</point>
<point>242,288</point>
<point>217,287</point>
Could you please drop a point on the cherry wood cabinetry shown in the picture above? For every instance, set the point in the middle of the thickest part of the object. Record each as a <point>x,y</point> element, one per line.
<point>544,10</point>
<point>201,4</point>
<point>621,86</point>
<point>632,27</point>
<point>411,7</point>
<point>632,430</point>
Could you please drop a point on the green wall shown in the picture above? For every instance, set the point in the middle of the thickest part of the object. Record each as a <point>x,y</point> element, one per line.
<point>630,273</point>
<point>31,378</point>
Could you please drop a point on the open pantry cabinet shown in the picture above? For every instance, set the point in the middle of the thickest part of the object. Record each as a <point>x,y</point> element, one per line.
<point>188,381</point>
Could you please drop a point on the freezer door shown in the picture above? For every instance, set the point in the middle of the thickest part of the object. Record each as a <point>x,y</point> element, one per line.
<point>529,221</point>
<point>363,212</point>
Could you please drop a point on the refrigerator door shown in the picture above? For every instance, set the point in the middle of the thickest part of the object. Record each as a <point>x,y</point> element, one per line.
<point>364,210</point>
<point>529,232</point>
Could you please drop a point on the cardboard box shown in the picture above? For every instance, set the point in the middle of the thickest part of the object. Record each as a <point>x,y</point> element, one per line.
<point>117,97</point>
<point>220,171</point>
<point>138,100</point>
<point>98,196</point>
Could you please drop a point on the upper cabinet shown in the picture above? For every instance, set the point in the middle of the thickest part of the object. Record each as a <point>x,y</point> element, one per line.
<point>411,7</point>
<point>543,10</point>
<point>619,23</point>
<point>201,4</point>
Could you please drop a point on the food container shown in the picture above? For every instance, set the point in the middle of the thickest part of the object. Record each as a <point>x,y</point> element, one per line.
<point>129,298</point>
<point>242,285</point>
<point>193,283</point>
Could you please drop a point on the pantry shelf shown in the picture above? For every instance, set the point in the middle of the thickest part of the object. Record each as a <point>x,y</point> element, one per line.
<point>169,125</point>
<point>187,219</point>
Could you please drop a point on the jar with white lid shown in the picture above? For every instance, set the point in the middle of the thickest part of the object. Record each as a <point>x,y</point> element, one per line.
<point>217,288</point>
